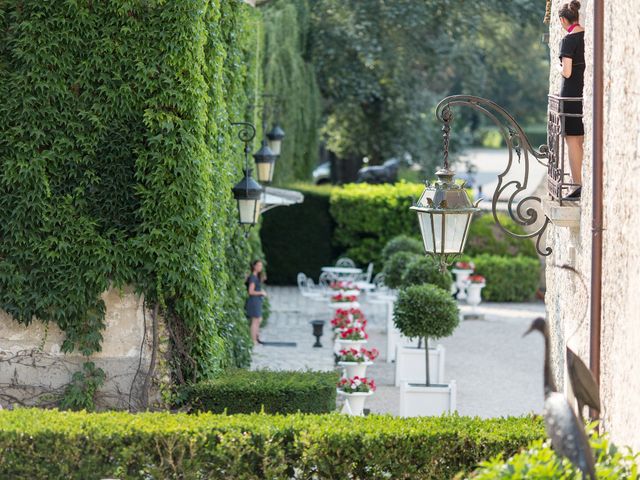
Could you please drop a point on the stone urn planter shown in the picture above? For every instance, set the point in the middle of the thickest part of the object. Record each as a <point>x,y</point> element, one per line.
<point>340,344</point>
<point>355,369</point>
<point>475,284</point>
<point>354,402</point>
<point>462,276</point>
<point>418,400</point>
<point>410,365</point>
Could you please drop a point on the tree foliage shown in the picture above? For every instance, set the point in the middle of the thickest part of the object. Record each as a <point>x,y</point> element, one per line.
<point>382,66</point>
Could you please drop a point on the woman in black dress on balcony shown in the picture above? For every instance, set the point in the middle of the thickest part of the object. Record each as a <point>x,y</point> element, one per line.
<point>254,302</point>
<point>572,68</point>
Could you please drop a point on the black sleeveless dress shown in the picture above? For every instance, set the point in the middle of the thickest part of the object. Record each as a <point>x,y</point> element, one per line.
<point>572,46</point>
<point>253,307</point>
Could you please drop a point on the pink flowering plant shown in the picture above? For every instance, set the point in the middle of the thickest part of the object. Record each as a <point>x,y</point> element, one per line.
<point>340,298</point>
<point>353,333</point>
<point>356,385</point>
<point>353,355</point>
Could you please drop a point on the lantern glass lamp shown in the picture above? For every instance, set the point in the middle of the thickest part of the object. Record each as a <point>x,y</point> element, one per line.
<point>444,214</point>
<point>275,136</point>
<point>248,194</point>
<point>265,163</point>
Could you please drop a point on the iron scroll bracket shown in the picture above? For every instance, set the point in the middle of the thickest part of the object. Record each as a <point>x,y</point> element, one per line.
<point>521,210</point>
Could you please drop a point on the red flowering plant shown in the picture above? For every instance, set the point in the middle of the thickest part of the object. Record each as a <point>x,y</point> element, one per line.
<point>353,355</point>
<point>356,385</point>
<point>476,279</point>
<point>353,333</point>
<point>348,318</point>
<point>465,266</point>
<point>343,285</point>
<point>340,298</point>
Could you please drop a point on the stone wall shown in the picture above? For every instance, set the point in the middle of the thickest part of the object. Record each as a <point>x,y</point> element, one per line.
<point>33,371</point>
<point>567,292</point>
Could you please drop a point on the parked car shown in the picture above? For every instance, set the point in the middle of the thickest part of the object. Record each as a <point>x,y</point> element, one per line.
<point>322,173</point>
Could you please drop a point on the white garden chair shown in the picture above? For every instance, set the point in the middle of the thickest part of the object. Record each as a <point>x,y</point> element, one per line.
<point>307,289</point>
<point>364,279</point>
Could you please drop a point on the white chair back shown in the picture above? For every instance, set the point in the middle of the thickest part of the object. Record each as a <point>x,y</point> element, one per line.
<point>345,262</point>
<point>369,273</point>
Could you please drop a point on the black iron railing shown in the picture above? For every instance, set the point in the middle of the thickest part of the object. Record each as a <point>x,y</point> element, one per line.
<point>558,175</point>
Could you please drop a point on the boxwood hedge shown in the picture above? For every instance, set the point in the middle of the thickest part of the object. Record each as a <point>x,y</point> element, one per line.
<point>244,391</point>
<point>509,279</point>
<point>38,444</point>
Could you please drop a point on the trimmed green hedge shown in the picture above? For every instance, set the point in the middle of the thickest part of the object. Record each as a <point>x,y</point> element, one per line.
<point>39,444</point>
<point>243,391</point>
<point>298,238</point>
<point>509,279</point>
<point>486,237</point>
<point>368,216</point>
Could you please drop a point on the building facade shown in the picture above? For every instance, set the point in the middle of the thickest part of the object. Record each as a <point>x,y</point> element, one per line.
<point>570,234</point>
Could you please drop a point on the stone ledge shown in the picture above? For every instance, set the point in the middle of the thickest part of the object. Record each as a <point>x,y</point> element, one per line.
<point>565,215</point>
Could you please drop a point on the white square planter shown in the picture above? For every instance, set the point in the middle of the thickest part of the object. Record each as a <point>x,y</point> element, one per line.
<point>421,401</point>
<point>410,365</point>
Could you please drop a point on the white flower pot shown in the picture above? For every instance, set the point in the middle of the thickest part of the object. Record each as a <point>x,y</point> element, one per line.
<point>410,365</point>
<point>355,369</point>
<point>354,402</point>
<point>344,305</point>
<point>420,401</point>
<point>462,277</point>
<point>343,344</point>
<point>474,293</point>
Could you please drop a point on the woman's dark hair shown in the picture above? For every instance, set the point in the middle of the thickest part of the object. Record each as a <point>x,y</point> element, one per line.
<point>252,265</point>
<point>570,11</point>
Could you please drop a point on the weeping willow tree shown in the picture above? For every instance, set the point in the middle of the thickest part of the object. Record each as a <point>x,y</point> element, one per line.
<point>291,78</point>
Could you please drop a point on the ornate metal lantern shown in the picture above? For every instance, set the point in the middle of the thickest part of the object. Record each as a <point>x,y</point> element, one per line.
<point>444,214</point>
<point>265,163</point>
<point>275,136</point>
<point>248,194</point>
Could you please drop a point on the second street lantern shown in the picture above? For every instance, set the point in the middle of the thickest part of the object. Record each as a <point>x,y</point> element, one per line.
<point>265,163</point>
<point>248,194</point>
<point>275,136</point>
<point>444,214</point>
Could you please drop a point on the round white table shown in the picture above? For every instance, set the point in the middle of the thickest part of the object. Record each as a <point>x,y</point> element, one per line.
<point>342,271</point>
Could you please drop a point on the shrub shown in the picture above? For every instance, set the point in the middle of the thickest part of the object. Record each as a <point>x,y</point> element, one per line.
<point>368,216</point>
<point>298,238</point>
<point>394,268</point>
<point>402,243</point>
<point>425,311</point>
<point>244,391</point>
<point>485,236</point>
<point>426,270</point>
<point>172,446</point>
<point>509,279</point>
<point>541,461</point>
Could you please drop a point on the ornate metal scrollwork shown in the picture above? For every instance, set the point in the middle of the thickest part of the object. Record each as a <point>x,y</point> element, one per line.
<point>520,210</point>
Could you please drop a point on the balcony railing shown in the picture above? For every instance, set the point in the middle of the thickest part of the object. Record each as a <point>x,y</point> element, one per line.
<point>558,174</point>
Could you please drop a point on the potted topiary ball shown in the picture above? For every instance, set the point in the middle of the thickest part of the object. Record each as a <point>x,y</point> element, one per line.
<point>424,269</point>
<point>395,266</point>
<point>402,243</point>
<point>426,311</point>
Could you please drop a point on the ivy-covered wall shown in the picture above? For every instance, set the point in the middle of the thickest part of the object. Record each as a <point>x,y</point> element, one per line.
<point>116,163</point>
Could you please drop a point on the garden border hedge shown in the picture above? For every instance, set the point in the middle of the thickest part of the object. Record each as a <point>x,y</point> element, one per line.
<point>171,446</point>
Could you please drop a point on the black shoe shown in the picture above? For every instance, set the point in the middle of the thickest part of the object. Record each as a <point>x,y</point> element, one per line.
<point>575,195</point>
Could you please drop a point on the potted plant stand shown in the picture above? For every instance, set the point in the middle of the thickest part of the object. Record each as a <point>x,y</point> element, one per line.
<point>354,402</point>
<point>418,400</point>
<point>341,344</point>
<point>344,305</point>
<point>410,364</point>
<point>355,369</point>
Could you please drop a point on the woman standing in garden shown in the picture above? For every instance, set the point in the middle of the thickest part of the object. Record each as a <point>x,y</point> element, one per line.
<point>572,68</point>
<point>254,302</point>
